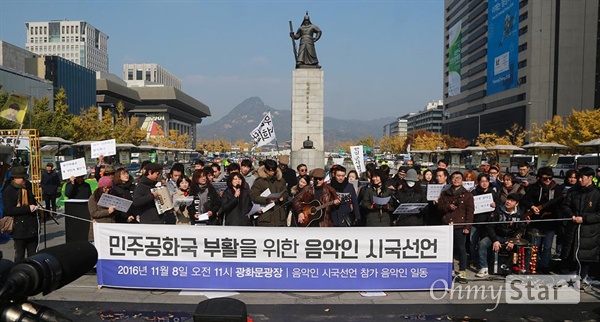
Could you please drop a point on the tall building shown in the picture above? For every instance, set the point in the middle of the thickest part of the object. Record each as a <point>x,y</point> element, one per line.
<point>150,73</point>
<point>518,61</point>
<point>79,82</point>
<point>429,119</point>
<point>77,41</point>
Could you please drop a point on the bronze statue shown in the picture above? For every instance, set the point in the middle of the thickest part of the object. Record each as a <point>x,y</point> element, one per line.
<point>309,34</point>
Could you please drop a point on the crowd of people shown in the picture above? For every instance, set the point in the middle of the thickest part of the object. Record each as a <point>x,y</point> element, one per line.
<point>564,217</point>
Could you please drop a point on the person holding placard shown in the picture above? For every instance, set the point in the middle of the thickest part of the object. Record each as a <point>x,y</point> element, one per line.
<point>457,207</point>
<point>99,213</point>
<point>77,188</point>
<point>479,231</point>
<point>378,214</point>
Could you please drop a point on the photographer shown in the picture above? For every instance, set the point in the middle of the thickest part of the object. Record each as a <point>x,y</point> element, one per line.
<point>19,203</point>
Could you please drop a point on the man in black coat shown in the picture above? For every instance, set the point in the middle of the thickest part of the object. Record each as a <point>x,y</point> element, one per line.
<point>143,196</point>
<point>19,203</point>
<point>582,205</point>
<point>50,183</point>
<point>289,175</point>
<point>77,188</point>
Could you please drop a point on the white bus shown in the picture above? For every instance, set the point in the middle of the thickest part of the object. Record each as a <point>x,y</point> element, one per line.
<point>562,163</point>
<point>588,160</point>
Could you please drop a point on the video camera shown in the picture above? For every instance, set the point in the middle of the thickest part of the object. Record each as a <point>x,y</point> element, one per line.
<point>44,272</point>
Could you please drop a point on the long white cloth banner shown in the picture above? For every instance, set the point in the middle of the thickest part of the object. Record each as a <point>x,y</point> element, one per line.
<point>261,258</point>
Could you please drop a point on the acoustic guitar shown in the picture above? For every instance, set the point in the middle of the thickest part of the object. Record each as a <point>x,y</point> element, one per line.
<point>543,206</point>
<point>314,210</point>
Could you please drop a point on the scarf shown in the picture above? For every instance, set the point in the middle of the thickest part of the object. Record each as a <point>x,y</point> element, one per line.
<point>202,198</point>
<point>339,187</point>
<point>22,197</point>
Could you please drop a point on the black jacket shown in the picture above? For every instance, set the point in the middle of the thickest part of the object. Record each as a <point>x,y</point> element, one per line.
<point>143,201</point>
<point>582,240</point>
<point>235,210</point>
<point>125,191</point>
<point>25,221</point>
<point>50,182</point>
<point>515,223</point>
<point>416,194</point>
<point>213,204</point>
<point>536,195</point>
<point>78,191</point>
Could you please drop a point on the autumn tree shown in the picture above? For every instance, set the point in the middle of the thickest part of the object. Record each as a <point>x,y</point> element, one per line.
<point>393,144</point>
<point>368,141</point>
<point>453,142</point>
<point>127,130</point>
<point>429,141</point>
<point>582,126</point>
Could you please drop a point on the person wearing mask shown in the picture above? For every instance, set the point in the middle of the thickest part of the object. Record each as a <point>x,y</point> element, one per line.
<point>99,213</point>
<point>269,176</point>
<point>346,213</point>
<point>457,207</point>
<point>143,196</point>
<point>582,205</point>
<point>411,192</point>
<point>235,202</point>
<point>19,202</point>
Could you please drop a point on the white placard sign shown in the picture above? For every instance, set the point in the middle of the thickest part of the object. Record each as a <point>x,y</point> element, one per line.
<point>358,159</point>
<point>483,203</point>
<point>108,200</point>
<point>469,185</point>
<point>104,148</point>
<point>434,191</point>
<point>73,168</point>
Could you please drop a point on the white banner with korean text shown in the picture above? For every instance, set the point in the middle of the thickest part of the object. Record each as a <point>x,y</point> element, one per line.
<point>358,159</point>
<point>265,258</point>
<point>264,132</point>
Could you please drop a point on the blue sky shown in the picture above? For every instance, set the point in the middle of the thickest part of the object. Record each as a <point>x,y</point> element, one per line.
<point>380,58</point>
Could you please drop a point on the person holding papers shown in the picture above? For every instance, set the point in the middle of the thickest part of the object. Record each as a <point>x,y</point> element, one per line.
<point>346,213</point>
<point>207,202</point>
<point>235,202</point>
<point>143,196</point>
<point>375,201</point>
<point>456,206</point>
<point>324,194</point>
<point>270,177</point>
<point>123,188</point>
<point>99,213</point>
<point>411,192</point>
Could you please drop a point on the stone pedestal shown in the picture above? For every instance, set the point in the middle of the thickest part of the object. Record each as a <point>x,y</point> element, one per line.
<point>307,117</point>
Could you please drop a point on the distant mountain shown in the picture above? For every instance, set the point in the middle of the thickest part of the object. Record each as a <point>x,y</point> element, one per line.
<point>238,123</point>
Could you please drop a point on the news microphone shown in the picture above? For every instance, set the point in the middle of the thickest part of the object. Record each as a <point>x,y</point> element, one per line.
<point>49,269</point>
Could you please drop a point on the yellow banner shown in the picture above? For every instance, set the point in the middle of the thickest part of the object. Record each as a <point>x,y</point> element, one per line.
<point>15,108</point>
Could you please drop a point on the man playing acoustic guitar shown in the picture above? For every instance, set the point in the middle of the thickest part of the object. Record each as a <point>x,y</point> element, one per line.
<point>312,206</point>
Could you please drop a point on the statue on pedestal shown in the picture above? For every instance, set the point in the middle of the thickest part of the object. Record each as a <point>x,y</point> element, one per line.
<point>309,34</point>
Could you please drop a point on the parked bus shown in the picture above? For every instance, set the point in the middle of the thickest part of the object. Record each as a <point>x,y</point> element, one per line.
<point>588,160</point>
<point>562,163</point>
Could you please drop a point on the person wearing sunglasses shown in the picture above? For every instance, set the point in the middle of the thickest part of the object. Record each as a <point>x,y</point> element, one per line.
<point>542,199</point>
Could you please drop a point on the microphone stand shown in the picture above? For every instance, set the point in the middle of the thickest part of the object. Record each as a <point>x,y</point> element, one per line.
<point>51,216</point>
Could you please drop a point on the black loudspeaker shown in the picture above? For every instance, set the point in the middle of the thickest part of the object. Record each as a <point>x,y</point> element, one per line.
<point>221,310</point>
